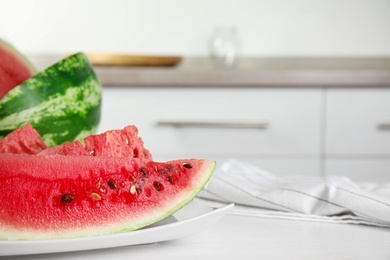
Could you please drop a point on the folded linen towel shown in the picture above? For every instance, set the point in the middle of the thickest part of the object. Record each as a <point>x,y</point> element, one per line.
<point>334,197</point>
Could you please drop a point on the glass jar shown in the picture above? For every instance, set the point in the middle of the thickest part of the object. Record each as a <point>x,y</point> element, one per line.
<point>224,46</point>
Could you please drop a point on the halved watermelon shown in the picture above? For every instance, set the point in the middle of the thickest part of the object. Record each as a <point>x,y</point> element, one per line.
<point>61,195</point>
<point>14,68</point>
<point>62,102</point>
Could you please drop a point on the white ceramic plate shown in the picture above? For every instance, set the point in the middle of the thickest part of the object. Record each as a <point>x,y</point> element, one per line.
<point>191,219</point>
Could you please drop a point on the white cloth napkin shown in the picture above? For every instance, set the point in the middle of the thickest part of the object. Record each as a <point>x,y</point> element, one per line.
<point>330,199</point>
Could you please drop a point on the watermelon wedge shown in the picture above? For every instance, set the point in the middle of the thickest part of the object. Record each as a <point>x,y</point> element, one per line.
<point>118,143</point>
<point>14,68</point>
<point>24,140</point>
<point>67,194</point>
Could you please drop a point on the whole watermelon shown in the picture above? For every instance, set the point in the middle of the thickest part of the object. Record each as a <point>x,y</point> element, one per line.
<point>62,102</point>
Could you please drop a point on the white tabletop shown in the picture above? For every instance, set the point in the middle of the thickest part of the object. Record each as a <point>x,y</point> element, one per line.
<point>239,237</point>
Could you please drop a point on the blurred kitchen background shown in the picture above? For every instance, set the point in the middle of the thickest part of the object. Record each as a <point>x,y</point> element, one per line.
<point>305,88</point>
<point>184,27</point>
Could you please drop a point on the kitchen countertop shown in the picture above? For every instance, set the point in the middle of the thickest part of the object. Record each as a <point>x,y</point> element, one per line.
<point>242,237</point>
<point>249,72</point>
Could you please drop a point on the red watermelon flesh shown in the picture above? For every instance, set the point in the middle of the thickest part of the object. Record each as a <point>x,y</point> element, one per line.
<point>118,143</point>
<point>46,197</point>
<point>14,68</point>
<point>114,143</point>
<point>23,140</point>
<point>72,148</point>
<point>64,192</point>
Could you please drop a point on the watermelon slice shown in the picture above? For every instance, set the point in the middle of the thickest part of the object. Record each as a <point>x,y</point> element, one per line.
<point>14,67</point>
<point>63,194</point>
<point>118,143</point>
<point>24,140</point>
<point>62,102</point>
<point>72,148</point>
<point>113,143</point>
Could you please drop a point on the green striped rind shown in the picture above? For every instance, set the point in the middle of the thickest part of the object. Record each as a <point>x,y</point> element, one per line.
<point>62,102</point>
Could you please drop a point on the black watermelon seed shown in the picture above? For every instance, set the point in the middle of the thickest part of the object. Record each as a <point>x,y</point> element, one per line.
<point>158,186</point>
<point>66,198</point>
<point>144,172</point>
<point>111,184</point>
<point>187,165</point>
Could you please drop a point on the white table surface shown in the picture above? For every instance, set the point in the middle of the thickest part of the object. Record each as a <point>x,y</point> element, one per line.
<point>240,237</point>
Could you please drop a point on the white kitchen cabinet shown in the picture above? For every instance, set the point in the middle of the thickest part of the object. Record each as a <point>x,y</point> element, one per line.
<point>292,135</point>
<point>358,121</point>
<point>307,131</point>
<point>358,133</point>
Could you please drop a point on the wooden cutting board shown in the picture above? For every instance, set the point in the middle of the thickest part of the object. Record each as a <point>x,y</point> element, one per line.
<point>106,59</point>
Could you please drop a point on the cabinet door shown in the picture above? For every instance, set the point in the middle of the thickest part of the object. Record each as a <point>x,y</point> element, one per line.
<point>293,118</point>
<point>358,122</point>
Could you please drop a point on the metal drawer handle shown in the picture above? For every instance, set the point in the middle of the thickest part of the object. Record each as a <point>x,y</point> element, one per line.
<point>384,125</point>
<point>217,124</point>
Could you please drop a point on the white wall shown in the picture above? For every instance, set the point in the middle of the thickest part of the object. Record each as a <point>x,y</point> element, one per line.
<point>266,27</point>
